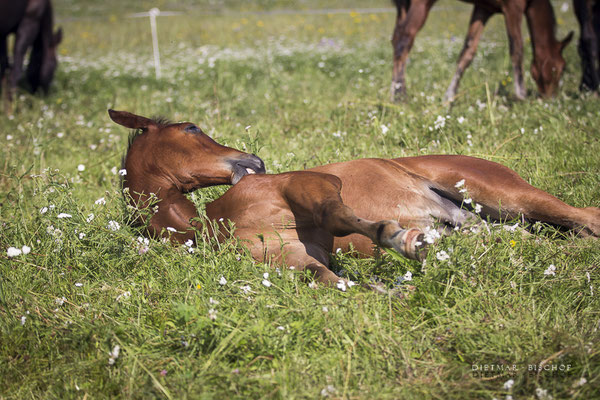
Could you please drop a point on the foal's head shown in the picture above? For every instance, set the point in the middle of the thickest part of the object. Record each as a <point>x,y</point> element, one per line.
<point>548,63</point>
<point>167,155</point>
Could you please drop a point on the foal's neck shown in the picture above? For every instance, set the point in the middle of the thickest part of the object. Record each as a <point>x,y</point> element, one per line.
<point>542,24</point>
<point>172,215</point>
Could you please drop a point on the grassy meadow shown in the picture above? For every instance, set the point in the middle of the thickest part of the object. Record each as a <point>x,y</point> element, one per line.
<point>299,88</point>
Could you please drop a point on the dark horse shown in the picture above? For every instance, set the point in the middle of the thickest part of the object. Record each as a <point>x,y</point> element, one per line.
<point>31,21</point>
<point>548,63</point>
<point>298,218</point>
<point>588,15</point>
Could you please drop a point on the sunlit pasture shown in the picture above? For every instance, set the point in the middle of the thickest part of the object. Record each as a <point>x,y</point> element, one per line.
<point>91,309</point>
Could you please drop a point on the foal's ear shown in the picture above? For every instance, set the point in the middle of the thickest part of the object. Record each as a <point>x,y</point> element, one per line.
<point>566,41</point>
<point>130,120</point>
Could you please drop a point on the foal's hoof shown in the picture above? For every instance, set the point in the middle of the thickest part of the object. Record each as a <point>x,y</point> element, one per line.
<point>408,242</point>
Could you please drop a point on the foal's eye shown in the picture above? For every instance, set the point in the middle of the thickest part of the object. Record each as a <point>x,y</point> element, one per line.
<point>192,129</point>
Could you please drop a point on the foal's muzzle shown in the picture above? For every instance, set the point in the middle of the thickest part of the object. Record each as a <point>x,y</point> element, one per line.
<point>246,165</point>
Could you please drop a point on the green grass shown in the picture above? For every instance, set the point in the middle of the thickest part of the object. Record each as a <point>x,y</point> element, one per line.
<point>313,89</point>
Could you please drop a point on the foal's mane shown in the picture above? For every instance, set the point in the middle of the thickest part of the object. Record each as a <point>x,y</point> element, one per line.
<point>134,134</point>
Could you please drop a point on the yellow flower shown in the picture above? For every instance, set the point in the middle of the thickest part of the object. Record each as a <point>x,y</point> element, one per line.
<point>513,243</point>
<point>198,286</point>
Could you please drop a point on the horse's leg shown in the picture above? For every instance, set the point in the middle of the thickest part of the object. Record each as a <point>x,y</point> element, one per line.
<point>407,26</point>
<point>3,70</point>
<point>311,204</point>
<point>587,46</point>
<point>513,16</point>
<point>479,18</point>
<point>315,200</point>
<point>501,192</point>
<point>596,26</point>
<point>26,33</point>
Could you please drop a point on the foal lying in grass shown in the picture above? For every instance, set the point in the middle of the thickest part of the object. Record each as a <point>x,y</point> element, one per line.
<point>297,218</point>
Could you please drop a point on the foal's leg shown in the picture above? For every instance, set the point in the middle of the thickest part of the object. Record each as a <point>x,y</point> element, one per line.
<point>403,38</point>
<point>479,18</point>
<point>501,192</point>
<point>513,16</point>
<point>315,200</point>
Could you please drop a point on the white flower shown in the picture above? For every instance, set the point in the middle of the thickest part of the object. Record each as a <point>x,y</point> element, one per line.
<point>245,289</point>
<point>26,249</point>
<point>325,309</point>
<point>114,354</point>
<point>78,284</point>
<point>460,183</point>
<point>60,301</point>
<point>511,228</point>
<point>23,319</point>
<point>508,384</point>
<point>81,168</point>
<point>101,201</point>
<point>124,296</point>
<point>407,276</point>
<point>13,252</point>
<point>89,218</point>
<point>43,210</point>
<point>171,229</point>
<point>341,285</point>
<point>64,215</point>
<point>60,135</point>
<point>9,137</point>
<point>565,7</point>
<point>329,390</point>
<point>82,235</point>
<point>440,122</point>
<point>384,129</point>
<point>189,243</point>
<point>542,394</point>
<point>478,208</point>
<point>212,301</point>
<point>281,328</point>
<point>550,270</point>
<point>212,314</point>
<point>113,225</point>
<point>266,275</point>
<point>460,119</point>
<point>312,285</point>
<point>431,235</point>
<point>222,281</point>
<point>442,255</point>
<point>266,282</point>
<point>580,382</point>
<point>467,201</point>
<point>122,172</point>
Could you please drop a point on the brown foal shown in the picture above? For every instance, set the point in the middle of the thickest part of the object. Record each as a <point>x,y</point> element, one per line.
<point>298,218</point>
<point>547,66</point>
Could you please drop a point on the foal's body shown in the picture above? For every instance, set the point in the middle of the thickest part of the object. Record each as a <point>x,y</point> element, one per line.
<point>298,218</point>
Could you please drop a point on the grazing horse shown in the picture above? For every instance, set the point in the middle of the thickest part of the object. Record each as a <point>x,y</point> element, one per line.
<point>548,63</point>
<point>298,218</point>
<point>588,16</point>
<point>31,21</point>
